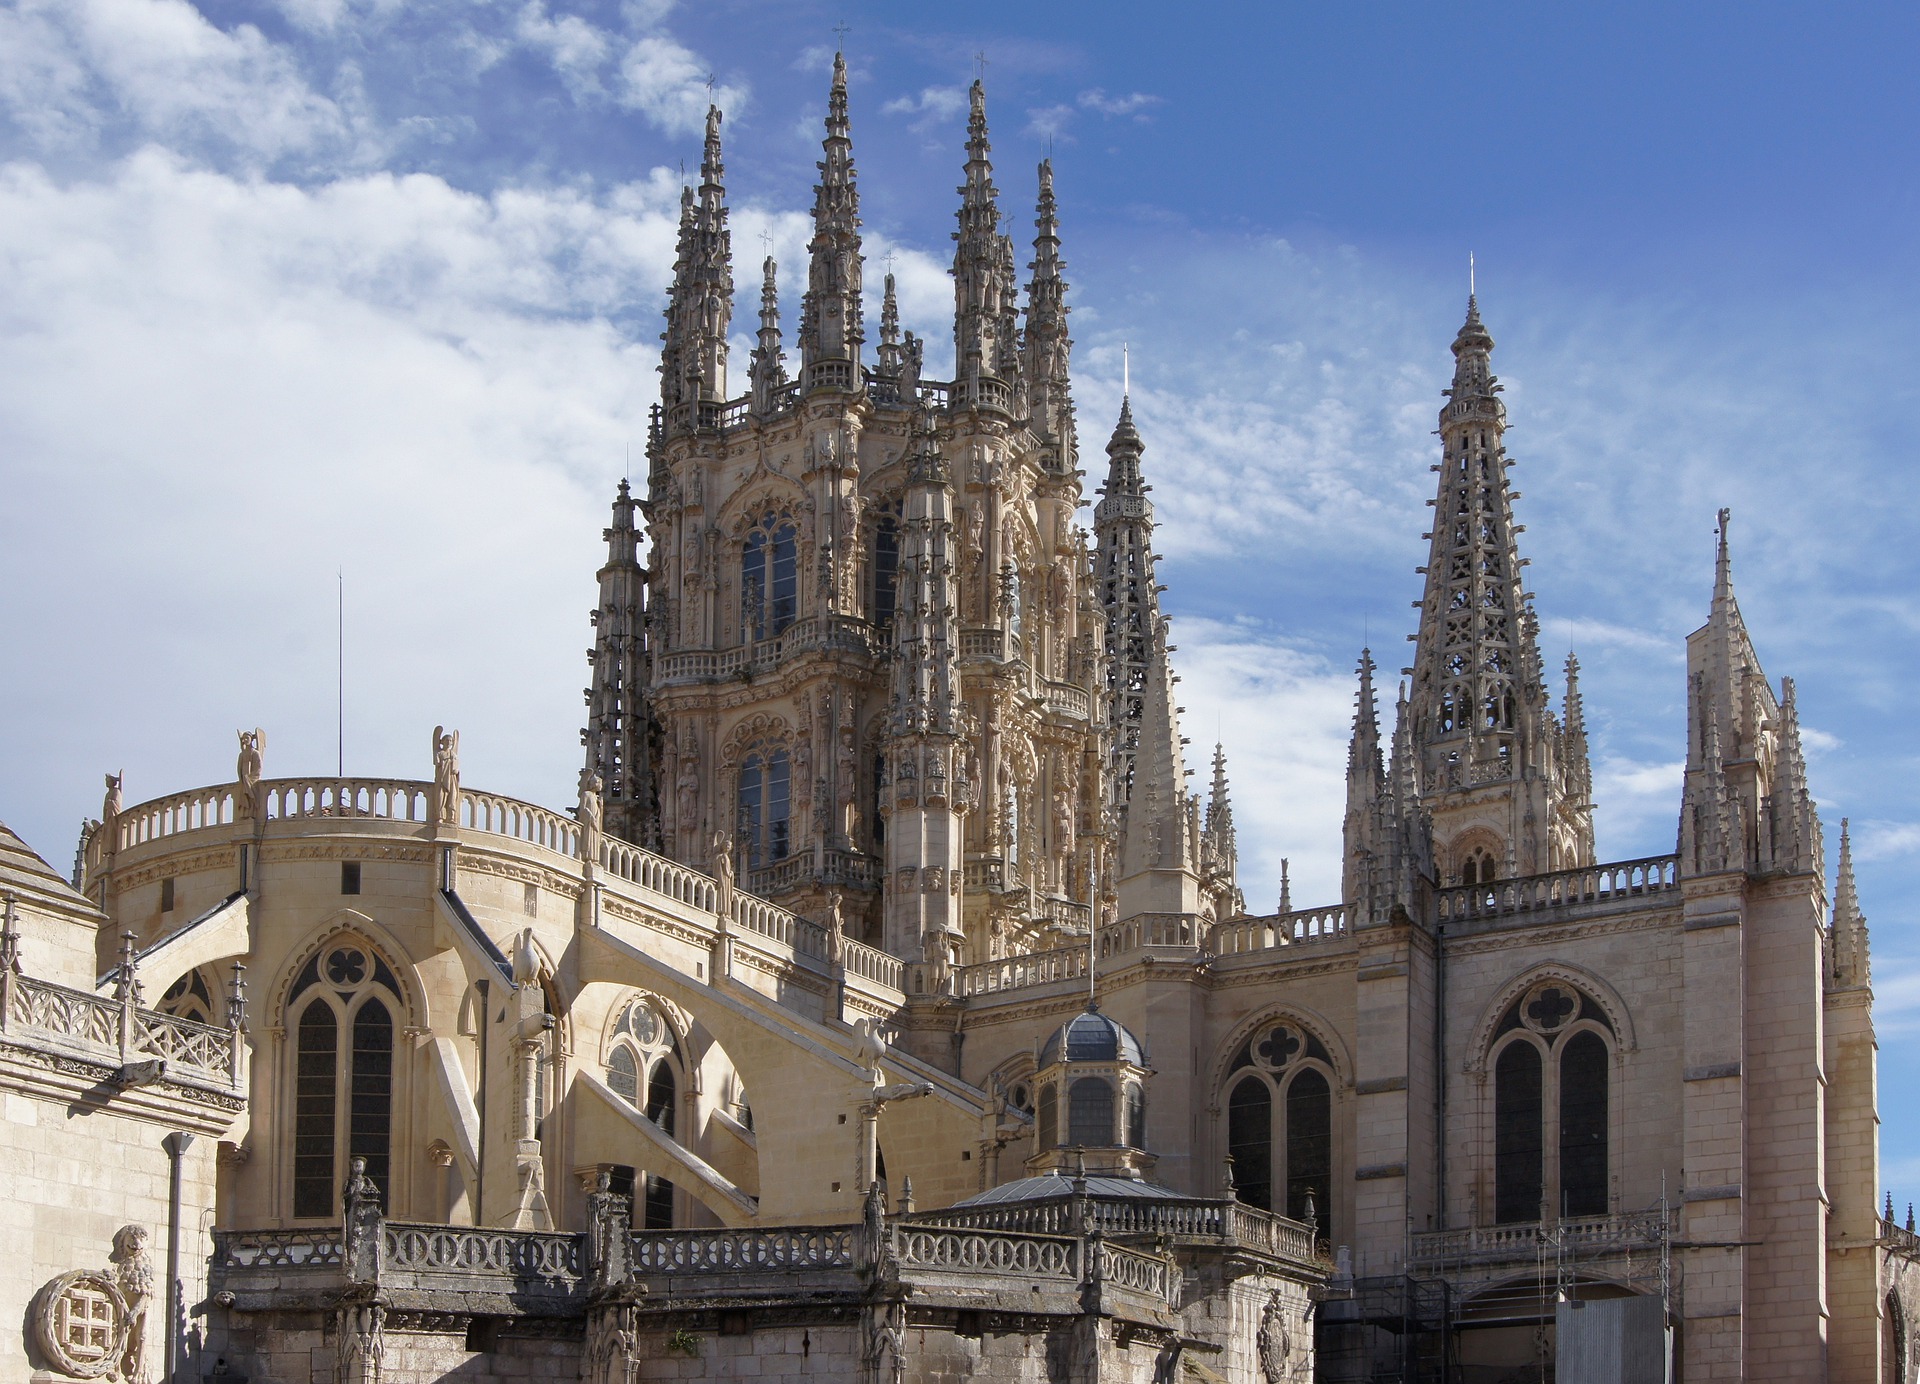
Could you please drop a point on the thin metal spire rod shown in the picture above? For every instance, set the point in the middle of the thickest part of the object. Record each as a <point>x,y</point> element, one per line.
<point>340,673</point>
<point>1470,287</point>
<point>1126,372</point>
<point>1093,931</point>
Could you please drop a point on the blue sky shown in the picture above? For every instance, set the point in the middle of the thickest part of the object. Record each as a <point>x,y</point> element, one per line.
<point>296,286</point>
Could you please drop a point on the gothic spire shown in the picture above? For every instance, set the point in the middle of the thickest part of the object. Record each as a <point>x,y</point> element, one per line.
<point>1124,567</point>
<point>1220,838</point>
<point>617,730</point>
<point>1795,825</point>
<point>830,320</point>
<point>1047,346</point>
<point>891,355</point>
<point>1154,836</point>
<point>1852,964</point>
<point>768,370</point>
<point>1575,762</point>
<point>675,344</point>
<point>982,259</point>
<point>1366,786</point>
<point>693,365</point>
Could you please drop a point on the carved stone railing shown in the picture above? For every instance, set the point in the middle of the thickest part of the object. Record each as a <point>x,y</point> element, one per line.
<point>984,643</point>
<point>115,1032</point>
<point>194,810</point>
<point>489,812</point>
<point>1021,972</point>
<point>1237,936</point>
<point>1148,930</point>
<point>870,963</point>
<point>835,866</point>
<point>1525,1241</point>
<point>709,1252</point>
<point>1062,913</point>
<point>998,1252</point>
<point>278,1249</point>
<point>521,1255</point>
<point>397,800</point>
<point>841,633</point>
<point>1900,1239</point>
<point>936,394</point>
<point>1225,1222</point>
<point>1136,1271</point>
<point>771,920</point>
<point>1069,700</point>
<point>1650,877</point>
<point>658,874</point>
<point>986,872</point>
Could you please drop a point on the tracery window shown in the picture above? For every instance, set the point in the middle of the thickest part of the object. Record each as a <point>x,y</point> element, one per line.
<point>645,1069</point>
<point>886,564</point>
<point>1551,1106</point>
<point>189,997</point>
<point>769,578</point>
<point>764,814</point>
<point>1280,1123</point>
<point>344,997</point>
<point>1477,868</point>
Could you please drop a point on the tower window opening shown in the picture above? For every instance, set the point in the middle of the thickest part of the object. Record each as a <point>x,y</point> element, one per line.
<point>1518,1161</point>
<point>1090,1112</point>
<point>769,579</point>
<point>886,568</point>
<point>765,809</point>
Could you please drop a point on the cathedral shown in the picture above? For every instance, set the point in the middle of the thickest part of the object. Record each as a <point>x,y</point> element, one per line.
<point>885,1008</point>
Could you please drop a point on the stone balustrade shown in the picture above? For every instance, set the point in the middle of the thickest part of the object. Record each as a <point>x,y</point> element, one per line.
<point>1525,1241</point>
<point>710,1253</point>
<point>1181,1220</point>
<point>1148,930</point>
<point>1020,972</point>
<point>501,816</point>
<point>1649,878</point>
<point>841,633</point>
<point>556,1260</point>
<point>1237,936</point>
<point>114,1032</point>
<point>658,875</point>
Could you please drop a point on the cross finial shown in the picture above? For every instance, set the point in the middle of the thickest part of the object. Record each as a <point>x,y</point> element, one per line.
<point>1126,373</point>
<point>1470,287</point>
<point>766,242</point>
<point>889,261</point>
<point>710,88</point>
<point>980,66</point>
<point>840,32</point>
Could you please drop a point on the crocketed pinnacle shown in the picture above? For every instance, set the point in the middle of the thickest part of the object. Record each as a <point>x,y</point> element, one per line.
<point>891,355</point>
<point>1850,949</point>
<point>700,306</point>
<point>617,718</point>
<point>982,259</point>
<point>830,319</point>
<point>1047,347</point>
<point>768,368</point>
<point>1155,830</point>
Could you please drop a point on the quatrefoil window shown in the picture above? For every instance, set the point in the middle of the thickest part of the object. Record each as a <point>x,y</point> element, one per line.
<point>1549,1008</point>
<point>1278,1048</point>
<point>346,966</point>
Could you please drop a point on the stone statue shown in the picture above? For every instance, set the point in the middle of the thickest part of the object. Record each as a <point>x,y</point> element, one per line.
<point>253,744</point>
<point>1062,819</point>
<point>133,1275</point>
<point>836,929</point>
<point>872,1050</point>
<point>723,874</point>
<point>111,807</point>
<point>446,775</point>
<point>589,814</point>
<point>686,789</point>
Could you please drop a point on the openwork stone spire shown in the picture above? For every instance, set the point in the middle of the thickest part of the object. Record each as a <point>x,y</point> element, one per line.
<point>1123,567</point>
<point>1366,787</point>
<point>1156,824</point>
<point>830,320</point>
<point>617,726</point>
<point>1220,848</point>
<point>1478,707</point>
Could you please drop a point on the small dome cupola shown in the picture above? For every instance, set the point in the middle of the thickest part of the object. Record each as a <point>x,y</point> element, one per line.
<point>1090,1099</point>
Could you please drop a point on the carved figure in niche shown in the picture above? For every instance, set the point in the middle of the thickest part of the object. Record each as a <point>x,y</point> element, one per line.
<point>253,744</point>
<point>589,814</point>
<point>686,788</point>
<point>111,807</point>
<point>976,529</point>
<point>847,771</point>
<point>446,774</point>
<point>937,955</point>
<point>133,1275</point>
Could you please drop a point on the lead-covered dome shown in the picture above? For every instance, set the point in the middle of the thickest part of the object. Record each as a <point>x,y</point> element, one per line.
<point>1091,1036</point>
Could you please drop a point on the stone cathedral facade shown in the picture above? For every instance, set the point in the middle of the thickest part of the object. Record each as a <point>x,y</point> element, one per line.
<point>886,1007</point>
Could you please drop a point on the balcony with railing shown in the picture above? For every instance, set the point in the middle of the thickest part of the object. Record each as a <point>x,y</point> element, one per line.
<point>1652,882</point>
<point>1302,927</point>
<point>1528,1241</point>
<point>832,632</point>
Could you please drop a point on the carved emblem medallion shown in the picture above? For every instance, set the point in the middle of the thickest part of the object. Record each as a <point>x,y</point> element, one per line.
<point>81,1321</point>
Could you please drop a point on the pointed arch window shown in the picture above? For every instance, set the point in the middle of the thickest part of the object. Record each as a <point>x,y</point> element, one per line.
<point>645,1069</point>
<point>1280,1123</point>
<point>342,1007</point>
<point>1552,1105</point>
<point>769,578</point>
<point>764,824</point>
<point>886,564</point>
<point>1047,1121</point>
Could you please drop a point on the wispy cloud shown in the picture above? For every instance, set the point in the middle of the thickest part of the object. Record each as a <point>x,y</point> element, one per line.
<point>1135,103</point>
<point>931,107</point>
<point>666,82</point>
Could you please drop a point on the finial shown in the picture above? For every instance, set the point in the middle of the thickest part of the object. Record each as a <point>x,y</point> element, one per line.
<point>1286,888</point>
<point>1471,294</point>
<point>1126,374</point>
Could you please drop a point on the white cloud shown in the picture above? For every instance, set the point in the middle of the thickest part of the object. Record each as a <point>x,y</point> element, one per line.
<point>1877,840</point>
<point>71,71</point>
<point>217,391</point>
<point>576,48</point>
<point>1135,103</point>
<point>935,106</point>
<point>667,83</point>
<point>1049,122</point>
